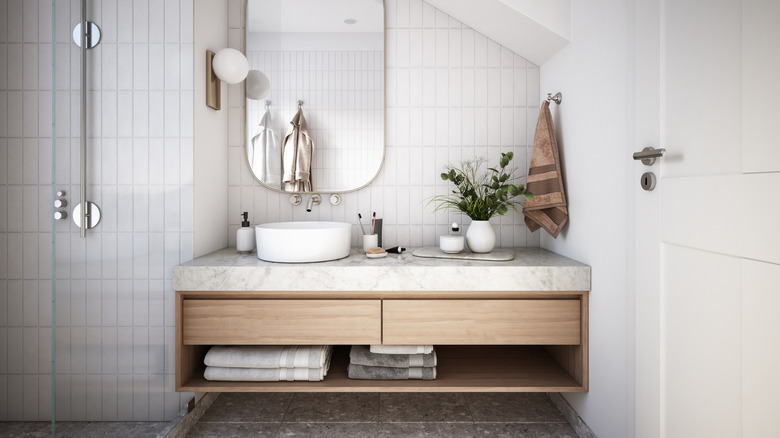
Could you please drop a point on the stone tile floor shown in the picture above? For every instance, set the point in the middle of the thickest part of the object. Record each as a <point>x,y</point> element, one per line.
<point>81,429</point>
<point>342,415</point>
<point>380,415</point>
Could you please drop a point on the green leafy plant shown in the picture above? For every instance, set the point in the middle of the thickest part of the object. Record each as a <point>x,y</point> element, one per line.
<point>482,195</point>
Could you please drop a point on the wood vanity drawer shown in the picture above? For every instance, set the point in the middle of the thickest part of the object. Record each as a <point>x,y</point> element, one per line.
<point>474,322</point>
<point>281,322</point>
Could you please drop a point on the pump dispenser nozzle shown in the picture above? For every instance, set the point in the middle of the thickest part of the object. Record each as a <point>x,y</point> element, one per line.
<point>245,222</point>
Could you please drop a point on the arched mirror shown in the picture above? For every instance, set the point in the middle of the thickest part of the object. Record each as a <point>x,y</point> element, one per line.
<point>320,128</point>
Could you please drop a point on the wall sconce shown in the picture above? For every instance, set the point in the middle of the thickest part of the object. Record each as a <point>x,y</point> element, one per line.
<point>257,85</point>
<point>231,66</point>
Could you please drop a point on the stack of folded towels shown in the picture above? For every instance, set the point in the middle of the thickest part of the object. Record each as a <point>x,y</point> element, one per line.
<point>392,362</point>
<point>268,363</point>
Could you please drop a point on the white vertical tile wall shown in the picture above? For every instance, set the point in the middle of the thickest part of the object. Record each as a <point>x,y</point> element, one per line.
<point>451,94</point>
<point>115,337</point>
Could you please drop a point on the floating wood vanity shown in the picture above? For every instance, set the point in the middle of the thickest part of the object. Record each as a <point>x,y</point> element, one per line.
<point>518,326</point>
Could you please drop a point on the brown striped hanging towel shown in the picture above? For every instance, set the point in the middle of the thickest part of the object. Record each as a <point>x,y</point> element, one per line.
<point>548,207</point>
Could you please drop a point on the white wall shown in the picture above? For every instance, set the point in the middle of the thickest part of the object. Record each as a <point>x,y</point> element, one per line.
<point>114,297</point>
<point>210,131</point>
<point>451,94</point>
<point>594,73</point>
<point>554,14</point>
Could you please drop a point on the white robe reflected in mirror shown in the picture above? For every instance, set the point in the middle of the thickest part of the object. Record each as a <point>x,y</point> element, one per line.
<point>265,154</point>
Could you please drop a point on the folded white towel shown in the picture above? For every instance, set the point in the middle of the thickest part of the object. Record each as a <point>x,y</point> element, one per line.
<point>236,374</point>
<point>401,349</point>
<point>264,374</point>
<point>268,356</point>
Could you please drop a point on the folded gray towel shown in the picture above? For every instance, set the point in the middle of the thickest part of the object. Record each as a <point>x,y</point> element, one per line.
<point>360,355</point>
<point>264,374</point>
<point>363,372</point>
<point>402,349</point>
<point>268,356</point>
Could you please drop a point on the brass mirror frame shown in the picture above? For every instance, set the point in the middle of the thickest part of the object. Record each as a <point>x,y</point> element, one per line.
<point>384,116</point>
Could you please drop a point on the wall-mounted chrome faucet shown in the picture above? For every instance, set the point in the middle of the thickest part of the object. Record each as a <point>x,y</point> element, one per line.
<point>314,199</point>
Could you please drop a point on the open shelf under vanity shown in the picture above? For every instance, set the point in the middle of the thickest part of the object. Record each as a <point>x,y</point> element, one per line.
<point>527,368</point>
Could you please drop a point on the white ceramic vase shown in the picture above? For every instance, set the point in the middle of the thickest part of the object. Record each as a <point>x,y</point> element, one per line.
<point>480,236</point>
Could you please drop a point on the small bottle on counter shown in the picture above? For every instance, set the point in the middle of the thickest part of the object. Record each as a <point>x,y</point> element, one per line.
<point>245,236</point>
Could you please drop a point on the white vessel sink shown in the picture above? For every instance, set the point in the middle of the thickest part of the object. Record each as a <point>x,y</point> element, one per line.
<point>303,242</point>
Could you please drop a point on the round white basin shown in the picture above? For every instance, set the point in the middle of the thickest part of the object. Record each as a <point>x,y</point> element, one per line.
<point>303,242</point>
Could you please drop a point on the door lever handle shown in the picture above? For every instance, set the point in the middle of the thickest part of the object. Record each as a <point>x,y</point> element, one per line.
<point>649,154</point>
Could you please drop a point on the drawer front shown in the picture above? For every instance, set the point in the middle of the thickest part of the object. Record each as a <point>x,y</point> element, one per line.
<point>281,322</point>
<point>481,322</point>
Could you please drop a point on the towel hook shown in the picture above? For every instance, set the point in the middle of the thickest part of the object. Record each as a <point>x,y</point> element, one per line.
<point>557,98</point>
<point>267,104</point>
<point>300,104</point>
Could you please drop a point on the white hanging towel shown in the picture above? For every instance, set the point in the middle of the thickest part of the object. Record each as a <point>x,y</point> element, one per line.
<point>297,156</point>
<point>264,154</point>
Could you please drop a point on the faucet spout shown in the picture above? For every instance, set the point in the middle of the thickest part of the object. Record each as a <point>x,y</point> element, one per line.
<point>315,199</point>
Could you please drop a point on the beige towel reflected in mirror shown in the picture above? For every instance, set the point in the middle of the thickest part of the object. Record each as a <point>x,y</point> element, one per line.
<point>297,156</point>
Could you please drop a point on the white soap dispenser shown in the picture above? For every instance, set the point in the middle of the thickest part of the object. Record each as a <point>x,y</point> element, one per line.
<point>245,236</point>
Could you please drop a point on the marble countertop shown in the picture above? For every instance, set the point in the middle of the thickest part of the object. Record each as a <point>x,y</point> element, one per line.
<point>533,269</point>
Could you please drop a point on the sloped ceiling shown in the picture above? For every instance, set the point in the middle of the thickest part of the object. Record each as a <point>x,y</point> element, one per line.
<point>534,29</point>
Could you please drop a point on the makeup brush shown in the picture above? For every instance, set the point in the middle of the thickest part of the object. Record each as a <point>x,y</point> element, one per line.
<point>360,221</point>
<point>373,223</point>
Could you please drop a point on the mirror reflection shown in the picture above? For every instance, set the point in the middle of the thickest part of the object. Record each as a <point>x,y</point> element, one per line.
<point>321,126</point>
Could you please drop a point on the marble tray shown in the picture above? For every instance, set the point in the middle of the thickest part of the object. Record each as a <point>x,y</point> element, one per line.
<point>497,255</point>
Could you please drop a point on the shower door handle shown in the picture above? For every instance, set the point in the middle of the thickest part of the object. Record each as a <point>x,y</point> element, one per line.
<point>86,214</point>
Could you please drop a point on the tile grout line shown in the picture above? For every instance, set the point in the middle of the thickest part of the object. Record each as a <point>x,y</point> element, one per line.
<point>471,412</point>
<point>284,415</point>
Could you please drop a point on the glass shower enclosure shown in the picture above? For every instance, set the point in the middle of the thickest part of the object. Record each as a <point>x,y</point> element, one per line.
<point>87,313</point>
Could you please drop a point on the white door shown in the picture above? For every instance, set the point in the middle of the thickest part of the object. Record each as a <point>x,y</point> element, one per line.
<point>708,236</point>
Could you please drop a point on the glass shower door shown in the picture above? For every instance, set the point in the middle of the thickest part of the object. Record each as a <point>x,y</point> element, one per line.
<point>27,134</point>
<point>78,286</point>
<point>113,301</point>
<point>87,323</point>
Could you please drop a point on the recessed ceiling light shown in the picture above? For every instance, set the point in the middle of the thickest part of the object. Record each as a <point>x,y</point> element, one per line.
<point>350,21</point>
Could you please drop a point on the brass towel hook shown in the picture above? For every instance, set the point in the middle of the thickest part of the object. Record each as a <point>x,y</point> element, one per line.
<point>557,98</point>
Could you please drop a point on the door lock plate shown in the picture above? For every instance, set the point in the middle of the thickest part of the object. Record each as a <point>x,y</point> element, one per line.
<point>647,181</point>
